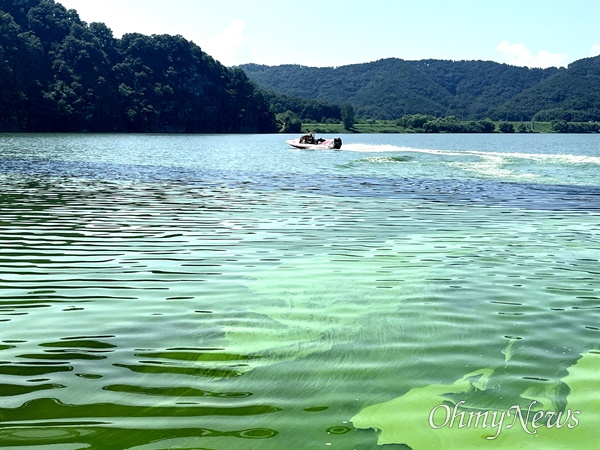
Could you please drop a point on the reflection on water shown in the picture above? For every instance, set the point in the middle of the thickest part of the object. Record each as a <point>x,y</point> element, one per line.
<point>207,302</point>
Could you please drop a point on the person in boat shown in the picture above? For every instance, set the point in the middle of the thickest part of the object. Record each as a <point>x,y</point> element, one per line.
<point>308,138</point>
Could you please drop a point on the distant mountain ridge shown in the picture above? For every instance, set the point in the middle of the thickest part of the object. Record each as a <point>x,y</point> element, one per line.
<point>391,88</point>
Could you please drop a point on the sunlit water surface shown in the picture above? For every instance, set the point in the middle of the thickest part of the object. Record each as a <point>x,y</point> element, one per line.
<point>228,292</point>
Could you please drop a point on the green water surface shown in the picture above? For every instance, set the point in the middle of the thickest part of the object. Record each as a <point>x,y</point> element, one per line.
<point>229,306</point>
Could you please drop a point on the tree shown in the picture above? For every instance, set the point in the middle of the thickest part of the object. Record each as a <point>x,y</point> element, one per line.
<point>487,126</point>
<point>289,122</point>
<point>83,88</point>
<point>348,116</point>
<point>560,126</point>
<point>21,75</point>
<point>51,22</point>
<point>522,128</point>
<point>506,127</point>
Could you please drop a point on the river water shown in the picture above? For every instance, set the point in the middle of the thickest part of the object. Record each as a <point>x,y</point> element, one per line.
<point>229,292</point>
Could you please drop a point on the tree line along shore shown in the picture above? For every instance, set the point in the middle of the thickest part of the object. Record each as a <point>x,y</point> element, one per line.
<point>442,125</point>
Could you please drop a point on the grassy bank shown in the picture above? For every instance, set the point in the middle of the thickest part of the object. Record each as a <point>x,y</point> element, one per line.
<point>391,126</point>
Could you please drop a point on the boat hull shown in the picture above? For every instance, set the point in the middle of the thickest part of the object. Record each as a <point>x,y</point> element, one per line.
<point>328,144</point>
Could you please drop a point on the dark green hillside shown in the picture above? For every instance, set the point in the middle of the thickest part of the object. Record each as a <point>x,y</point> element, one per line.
<point>399,87</point>
<point>58,73</point>
<point>385,89</point>
<point>478,87</point>
<point>571,94</point>
<point>469,90</point>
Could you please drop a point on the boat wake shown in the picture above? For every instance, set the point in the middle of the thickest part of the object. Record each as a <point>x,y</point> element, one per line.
<point>558,158</point>
<point>370,148</point>
<point>507,166</point>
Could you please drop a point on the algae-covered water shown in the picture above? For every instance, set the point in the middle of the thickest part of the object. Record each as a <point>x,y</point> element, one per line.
<point>228,292</point>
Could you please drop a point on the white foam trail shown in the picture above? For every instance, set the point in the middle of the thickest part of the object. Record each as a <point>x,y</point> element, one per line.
<point>566,158</point>
<point>560,158</point>
<point>370,148</point>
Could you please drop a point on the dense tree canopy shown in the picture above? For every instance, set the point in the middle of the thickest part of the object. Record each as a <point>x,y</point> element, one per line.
<point>58,73</point>
<point>305,109</point>
<point>449,124</point>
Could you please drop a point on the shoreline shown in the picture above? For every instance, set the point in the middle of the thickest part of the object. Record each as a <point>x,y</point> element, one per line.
<point>392,127</point>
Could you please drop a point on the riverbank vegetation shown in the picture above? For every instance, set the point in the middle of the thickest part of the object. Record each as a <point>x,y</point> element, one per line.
<point>407,124</point>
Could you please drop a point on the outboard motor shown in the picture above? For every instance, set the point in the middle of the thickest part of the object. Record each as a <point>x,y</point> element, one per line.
<point>337,143</point>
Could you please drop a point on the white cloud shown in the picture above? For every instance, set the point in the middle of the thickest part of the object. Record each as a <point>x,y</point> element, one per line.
<point>227,46</point>
<point>519,55</point>
<point>595,49</point>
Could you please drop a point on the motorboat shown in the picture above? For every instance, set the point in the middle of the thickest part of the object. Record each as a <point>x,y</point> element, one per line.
<point>315,144</point>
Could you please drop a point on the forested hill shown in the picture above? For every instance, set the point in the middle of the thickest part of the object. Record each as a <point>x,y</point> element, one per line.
<point>58,73</point>
<point>391,88</point>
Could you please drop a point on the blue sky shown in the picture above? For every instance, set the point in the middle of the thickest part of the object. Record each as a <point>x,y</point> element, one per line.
<point>534,33</point>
